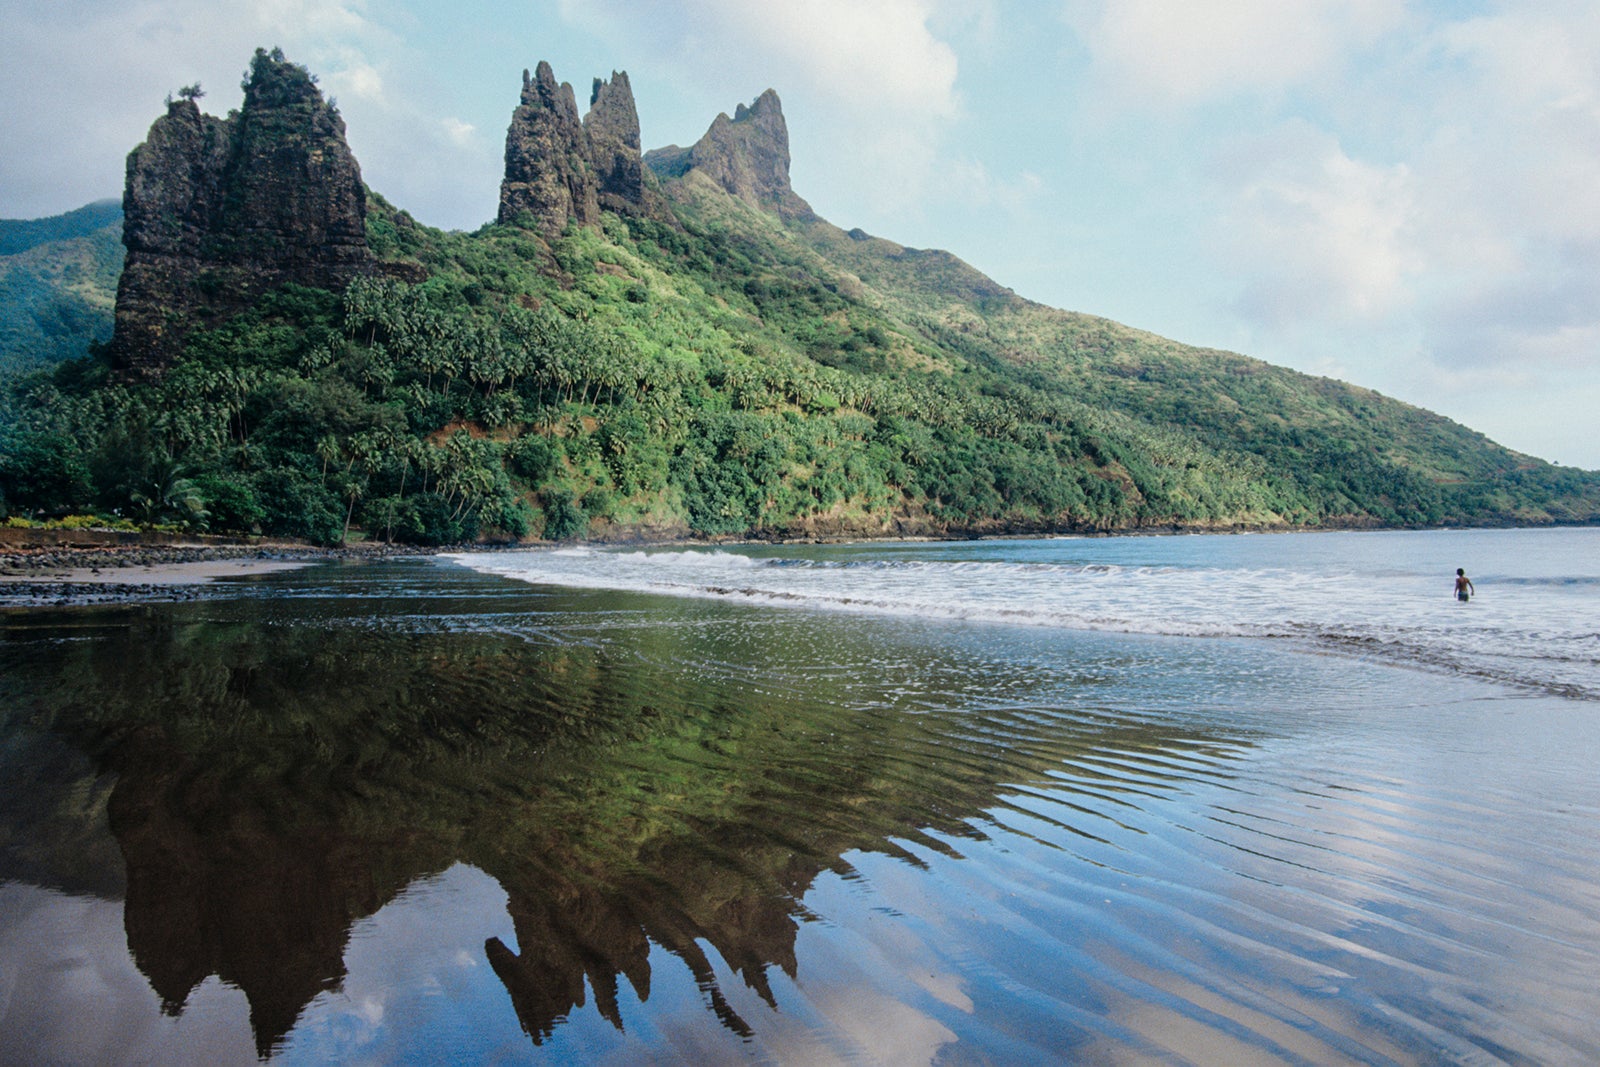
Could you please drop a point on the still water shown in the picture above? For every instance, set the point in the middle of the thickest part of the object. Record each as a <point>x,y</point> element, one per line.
<point>1200,799</point>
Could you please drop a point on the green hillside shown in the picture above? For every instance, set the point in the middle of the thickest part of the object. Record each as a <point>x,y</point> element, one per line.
<point>723,372</point>
<point>58,284</point>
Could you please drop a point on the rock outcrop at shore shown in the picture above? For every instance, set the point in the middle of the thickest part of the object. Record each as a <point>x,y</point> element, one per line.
<point>747,155</point>
<point>219,211</point>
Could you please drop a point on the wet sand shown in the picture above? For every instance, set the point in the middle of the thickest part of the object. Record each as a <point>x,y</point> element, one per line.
<point>106,582</point>
<point>65,575</point>
<point>233,830</point>
<point>190,573</point>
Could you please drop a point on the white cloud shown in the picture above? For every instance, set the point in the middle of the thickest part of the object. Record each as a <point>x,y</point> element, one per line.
<point>110,63</point>
<point>1542,321</point>
<point>459,132</point>
<point>1420,212</point>
<point>1183,52</point>
<point>1525,112</point>
<point>1318,235</point>
<point>353,76</point>
<point>863,58</point>
<point>970,181</point>
<point>868,57</point>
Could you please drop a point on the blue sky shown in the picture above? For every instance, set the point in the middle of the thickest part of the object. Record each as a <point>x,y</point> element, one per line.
<point>1405,195</point>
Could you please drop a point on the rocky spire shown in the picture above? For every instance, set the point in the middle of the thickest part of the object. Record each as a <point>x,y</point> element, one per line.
<point>612,126</point>
<point>218,211</point>
<point>548,174</point>
<point>747,155</point>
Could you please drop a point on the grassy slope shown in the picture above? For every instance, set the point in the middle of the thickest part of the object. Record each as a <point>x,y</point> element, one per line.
<point>1274,445</point>
<point>1163,397</point>
<point>1225,400</point>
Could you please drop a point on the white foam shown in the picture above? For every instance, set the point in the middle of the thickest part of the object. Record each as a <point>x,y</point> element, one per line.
<point>1375,606</point>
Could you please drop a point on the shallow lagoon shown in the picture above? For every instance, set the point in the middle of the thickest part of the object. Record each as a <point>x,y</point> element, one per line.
<point>406,811</point>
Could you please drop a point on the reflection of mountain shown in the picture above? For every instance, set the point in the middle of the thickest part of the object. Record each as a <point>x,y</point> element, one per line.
<point>275,782</point>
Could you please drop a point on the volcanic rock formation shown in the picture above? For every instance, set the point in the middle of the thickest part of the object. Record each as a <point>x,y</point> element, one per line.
<point>747,155</point>
<point>559,169</point>
<point>547,159</point>
<point>219,211</point>
<point>612,127</point>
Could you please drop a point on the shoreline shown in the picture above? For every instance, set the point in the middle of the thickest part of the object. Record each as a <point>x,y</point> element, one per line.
<point>73,575</point>
<point>66,574</point>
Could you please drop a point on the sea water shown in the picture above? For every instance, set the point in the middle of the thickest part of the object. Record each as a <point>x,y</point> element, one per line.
<point>1535,621</point>
<point>1211,799</point>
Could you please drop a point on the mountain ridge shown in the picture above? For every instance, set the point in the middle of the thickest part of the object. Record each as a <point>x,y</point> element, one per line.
<point>673,344</point>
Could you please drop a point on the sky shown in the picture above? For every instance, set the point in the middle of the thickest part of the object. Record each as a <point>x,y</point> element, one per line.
<point>1399,193</point>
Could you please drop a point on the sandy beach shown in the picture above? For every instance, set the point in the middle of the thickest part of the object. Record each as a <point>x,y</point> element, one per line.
<point>80,575</point>
<point>188,573</point>
<point>1273,825</point>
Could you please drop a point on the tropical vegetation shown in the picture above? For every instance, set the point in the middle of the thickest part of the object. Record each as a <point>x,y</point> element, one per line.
<point>723,373</point>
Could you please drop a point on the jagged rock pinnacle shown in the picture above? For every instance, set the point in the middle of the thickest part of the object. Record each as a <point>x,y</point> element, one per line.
<point>547,171</point>
<point>612,126</point>
<point>747,155</point>
<point>218,211</point>
<point>559,169</point>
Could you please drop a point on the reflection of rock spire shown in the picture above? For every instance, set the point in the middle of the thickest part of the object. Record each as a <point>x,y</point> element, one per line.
<point>565,932</point>
<point>274,784</point>
<point>214,888</point>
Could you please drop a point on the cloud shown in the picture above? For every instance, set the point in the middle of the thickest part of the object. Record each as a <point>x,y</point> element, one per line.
<point>1316,234</point>
<point>459,132</point>
<point>970,182</point>
<point>1523,119</point>
<point>110,63</point>
<point>1541,322</point>
<point>352,75</point>
<point>1413,187</point>
<point>1165,54</point>
<point>861,58</point>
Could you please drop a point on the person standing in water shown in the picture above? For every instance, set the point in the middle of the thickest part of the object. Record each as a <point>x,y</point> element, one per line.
<point>1464,588</point>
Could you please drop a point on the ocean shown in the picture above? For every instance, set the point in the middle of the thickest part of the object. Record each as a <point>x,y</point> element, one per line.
<point>1386,596</point>
<point>1193,799</point>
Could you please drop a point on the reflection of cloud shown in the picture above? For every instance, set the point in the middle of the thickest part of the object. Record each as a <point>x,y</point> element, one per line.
<point>416,967</point>
<point>72,992</point>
